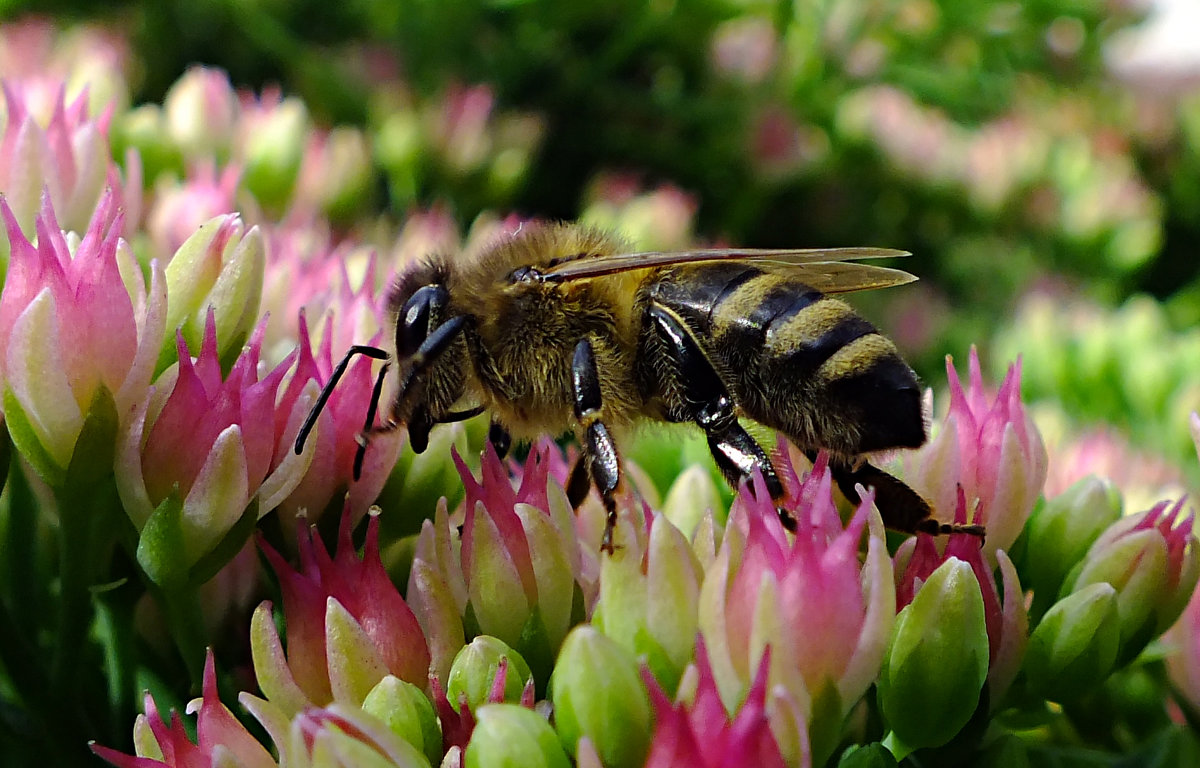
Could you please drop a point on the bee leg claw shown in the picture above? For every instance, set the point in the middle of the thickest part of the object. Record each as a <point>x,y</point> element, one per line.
<point>935,528</point>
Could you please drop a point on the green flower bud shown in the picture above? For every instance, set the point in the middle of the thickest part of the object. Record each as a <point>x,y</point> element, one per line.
<point>1152,560</point>
<point>598,693</point>
<point>1061,531</point>
<point>219,266</point>
<point>1008,751</point>
<point>867,756</point>
<point>937,659</point>
<point>276,135</point>
<point>474,670</point>
<point>144,129</point>
<point>510,736</point>
<point>691,496</point>
<point>405,709</point>
<point>1076,643</point>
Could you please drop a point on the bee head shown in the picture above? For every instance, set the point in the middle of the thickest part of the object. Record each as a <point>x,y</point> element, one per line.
<point>418,301</point>
<point>425,335</point>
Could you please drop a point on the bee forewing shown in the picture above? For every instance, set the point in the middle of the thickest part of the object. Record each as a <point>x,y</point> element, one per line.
<point>843,277</point>
<point>598,266</point>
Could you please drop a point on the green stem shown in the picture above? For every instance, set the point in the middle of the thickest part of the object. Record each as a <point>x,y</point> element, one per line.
<point>185,620</point>
<point>898,748</point>
<point>74,599</point>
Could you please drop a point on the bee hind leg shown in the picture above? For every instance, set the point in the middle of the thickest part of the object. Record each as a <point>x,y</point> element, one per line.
<point>706,401</point>
<point>901,508</point>
<point>599,452</point>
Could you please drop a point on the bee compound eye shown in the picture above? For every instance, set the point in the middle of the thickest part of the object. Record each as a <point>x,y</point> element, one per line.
<point>414,323</point>
<point>526,274</point>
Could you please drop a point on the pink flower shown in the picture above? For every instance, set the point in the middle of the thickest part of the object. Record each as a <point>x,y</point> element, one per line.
<point>335,174</point>
<point>181,206</point>
<point>1152,560</point>
<point>661,218</point>
<point>330,473</point>
<point>68,158</point>
<point>348,627</point>
<point>335,288</point>
<point>1007,622</point>
<point>44,58</point>
<point>824,614</point>
<point>1183,654</point>
<point>219,736</point>
<point>991,449</point>
<point>209,442</point>
<point>71,333</point>
<point>745,48</point>
<point>515,568</point>
<point>200,112</point>
<point>701,732</point>
<point>423,233</point>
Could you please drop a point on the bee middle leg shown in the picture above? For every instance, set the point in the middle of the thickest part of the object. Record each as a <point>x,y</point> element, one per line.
<point>599,453</point>
<point>706,401</point>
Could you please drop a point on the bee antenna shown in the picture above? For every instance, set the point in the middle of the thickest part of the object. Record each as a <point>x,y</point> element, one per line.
<point>372,409</point>
<point>359,349</point>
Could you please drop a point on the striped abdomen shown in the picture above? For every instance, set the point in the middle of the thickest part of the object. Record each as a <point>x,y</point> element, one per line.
<point>796,360</point>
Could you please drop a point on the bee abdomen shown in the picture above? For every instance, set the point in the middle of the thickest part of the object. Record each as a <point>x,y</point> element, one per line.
<point>810,366</point>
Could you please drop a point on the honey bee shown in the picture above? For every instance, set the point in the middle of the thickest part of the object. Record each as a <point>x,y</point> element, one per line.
<point>561,328</point>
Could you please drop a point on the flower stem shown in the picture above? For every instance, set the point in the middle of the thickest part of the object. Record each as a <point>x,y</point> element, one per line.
<point>898,748</point>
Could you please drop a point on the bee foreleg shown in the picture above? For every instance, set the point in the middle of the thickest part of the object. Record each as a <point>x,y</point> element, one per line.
<point>599,451</point>
<point>323,398</point>
<point>420,420</point>
<point>707,402</point>
<point>376,391</point>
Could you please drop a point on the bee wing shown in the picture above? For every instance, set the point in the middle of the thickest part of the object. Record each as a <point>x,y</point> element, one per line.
<point>843,277</point>
<point>829,270</point>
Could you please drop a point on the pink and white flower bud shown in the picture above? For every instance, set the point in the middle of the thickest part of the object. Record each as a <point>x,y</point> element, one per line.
<point>990,448</point>
<point>69,328</point>
<point>220,736</point>
<point>824,613</point>
<point>67,156</point>
<point>211,441</point>
<point>1007,621</point>
<point>201,111</point>
<point>348,626</point>
<point>515,567</point>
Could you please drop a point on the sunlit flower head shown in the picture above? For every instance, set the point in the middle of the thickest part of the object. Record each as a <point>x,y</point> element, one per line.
<point>513,571</point>
<point>989,447</point>
<point>72,330</point>
<point>208,441</point>
<point>347,626</point>
<point>824,614</point>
